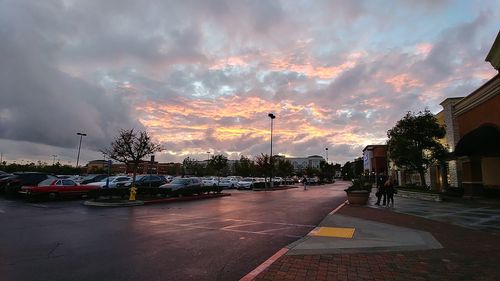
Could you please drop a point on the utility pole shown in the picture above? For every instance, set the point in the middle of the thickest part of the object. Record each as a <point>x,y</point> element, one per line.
<point>53,159</point>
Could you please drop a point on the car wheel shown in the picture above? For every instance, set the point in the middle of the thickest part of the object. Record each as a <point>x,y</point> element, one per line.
<point>53,196</point>
<point>251,186</point>
<point>232,185</point>
<point>215,184</point>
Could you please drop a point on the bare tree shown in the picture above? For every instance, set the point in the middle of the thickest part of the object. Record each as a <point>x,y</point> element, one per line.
<point>131,147</point>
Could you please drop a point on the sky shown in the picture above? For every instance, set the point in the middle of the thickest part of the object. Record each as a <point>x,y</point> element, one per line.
<point>202,76</point>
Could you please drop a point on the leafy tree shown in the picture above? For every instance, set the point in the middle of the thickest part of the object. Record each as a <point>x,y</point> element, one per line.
<point>189,166</point>
<point>310,171</point>
<point>244,167</point>
<point>284,167</point>
<point>263,165</point>
<point>326,170</point>
<point>218,163</point>
<point>130,147</point>
<point>414,142</point>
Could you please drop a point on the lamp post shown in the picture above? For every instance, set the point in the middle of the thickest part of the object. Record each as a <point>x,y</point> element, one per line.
<point>53,159</point>
<point>272,116</point>
<point>208,156</point>
<point>326,149</point>
<point>79,147</point>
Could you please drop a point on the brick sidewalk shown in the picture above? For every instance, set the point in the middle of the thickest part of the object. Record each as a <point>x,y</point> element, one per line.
<point>467,255</point>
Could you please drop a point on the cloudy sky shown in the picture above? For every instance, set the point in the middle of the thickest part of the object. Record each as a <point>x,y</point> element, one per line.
<point>203,75</point>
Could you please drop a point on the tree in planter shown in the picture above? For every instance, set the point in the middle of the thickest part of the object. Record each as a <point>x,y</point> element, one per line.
<point>263,165</point>
<point>244,167</point>
<point>284,167</point>
<point>413,142</point>
<point>188,166</point>
<point>218,163</point>
<point>130,147</point>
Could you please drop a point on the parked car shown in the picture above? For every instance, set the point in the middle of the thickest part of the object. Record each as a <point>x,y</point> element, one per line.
<point>167,178</point>
<point>246,183</point>
<point>93,178</point>
<point>210,181</point>
<point>144,181</point>
<point>182,183</point>
<point>4,179</point>
<point>111,181</point>
<point>24,178</point>
<point>229,182</point>
<point>278,180</point>
<point>54,188</point>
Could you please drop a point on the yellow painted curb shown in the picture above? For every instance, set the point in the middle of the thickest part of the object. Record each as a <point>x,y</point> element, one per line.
<point>340,232</point>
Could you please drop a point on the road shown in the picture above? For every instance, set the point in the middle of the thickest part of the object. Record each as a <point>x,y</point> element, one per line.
<point>214,239</point>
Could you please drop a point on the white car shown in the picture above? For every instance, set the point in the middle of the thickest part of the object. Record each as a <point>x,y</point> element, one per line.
<point>246,183</point>
<point>229,182</point>
<point>278,180</point>
<point>113,181</point>
<point>210,181</point>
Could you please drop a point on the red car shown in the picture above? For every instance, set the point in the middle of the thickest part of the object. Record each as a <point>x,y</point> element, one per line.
<point>54,188</point>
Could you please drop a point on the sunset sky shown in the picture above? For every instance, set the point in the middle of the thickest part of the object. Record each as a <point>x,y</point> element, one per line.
<point>203,75</point>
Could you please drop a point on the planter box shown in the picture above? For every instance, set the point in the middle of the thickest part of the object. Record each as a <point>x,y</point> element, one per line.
<point>358,197</point>
<point>419,195</point>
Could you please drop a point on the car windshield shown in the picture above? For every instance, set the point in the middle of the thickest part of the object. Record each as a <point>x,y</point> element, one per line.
<point>46,182</point>
<point>180,181</point>
<point>89,177</point>
<point>110,179</point>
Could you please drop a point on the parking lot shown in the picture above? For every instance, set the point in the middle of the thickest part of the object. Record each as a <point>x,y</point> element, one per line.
<point>215,239</point>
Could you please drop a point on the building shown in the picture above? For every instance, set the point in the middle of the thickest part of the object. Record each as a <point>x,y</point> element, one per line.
<point>375,159</point>
<point>473,135</point>
<point>302,163</point>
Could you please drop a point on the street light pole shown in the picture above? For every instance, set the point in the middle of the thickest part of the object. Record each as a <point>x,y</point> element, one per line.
<point>208,156</point>
<point>53,159</point>
<point>79,147</point>
<point>272,116</point>
<point>326,154</point>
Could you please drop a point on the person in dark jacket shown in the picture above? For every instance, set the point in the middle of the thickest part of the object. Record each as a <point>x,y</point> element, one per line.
<point>381,191</point>
<point>390,190</point>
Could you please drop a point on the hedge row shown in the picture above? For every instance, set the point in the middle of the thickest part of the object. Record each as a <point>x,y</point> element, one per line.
<point>146,192</point>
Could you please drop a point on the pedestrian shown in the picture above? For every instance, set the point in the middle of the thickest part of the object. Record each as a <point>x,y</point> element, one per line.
<point>304,181</point>
<point>381,191</point>
<point>390,190</point>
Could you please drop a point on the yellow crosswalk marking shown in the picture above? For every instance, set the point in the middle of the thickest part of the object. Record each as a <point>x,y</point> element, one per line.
<point>340,232</point>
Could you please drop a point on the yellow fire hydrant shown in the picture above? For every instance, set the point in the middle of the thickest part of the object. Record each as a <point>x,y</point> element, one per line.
<point>133,192</point>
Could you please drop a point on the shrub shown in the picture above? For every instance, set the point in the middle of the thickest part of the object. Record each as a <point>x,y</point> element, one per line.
<point>359,184</point>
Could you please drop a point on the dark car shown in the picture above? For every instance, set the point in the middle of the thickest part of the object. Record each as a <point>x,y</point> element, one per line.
<point>4,180</point>
<point>93,178</point>
<point>183,183</point>
<point>145,181</point>
<point>24,178</point>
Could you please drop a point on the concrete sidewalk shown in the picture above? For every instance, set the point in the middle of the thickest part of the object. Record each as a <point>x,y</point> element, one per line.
<point>387,245</point>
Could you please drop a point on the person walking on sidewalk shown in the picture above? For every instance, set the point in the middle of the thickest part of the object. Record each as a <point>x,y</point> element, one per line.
<point>390,190</point>
<point>381,192</point>
<point>304,181</point>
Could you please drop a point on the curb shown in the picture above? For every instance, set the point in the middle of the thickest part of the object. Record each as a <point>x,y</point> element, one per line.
<point>126,203</point>
<point>263,266</point>
<point>116,204</point>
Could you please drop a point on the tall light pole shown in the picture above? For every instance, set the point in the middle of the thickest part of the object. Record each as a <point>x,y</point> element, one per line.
<point>79,147</point>
<point>208,156</point>
<point>271,157</point>
<point>53,159</point>
<point>326,149</point>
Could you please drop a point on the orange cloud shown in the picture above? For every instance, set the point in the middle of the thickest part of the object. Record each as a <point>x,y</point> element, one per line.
<point>403,81</point>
